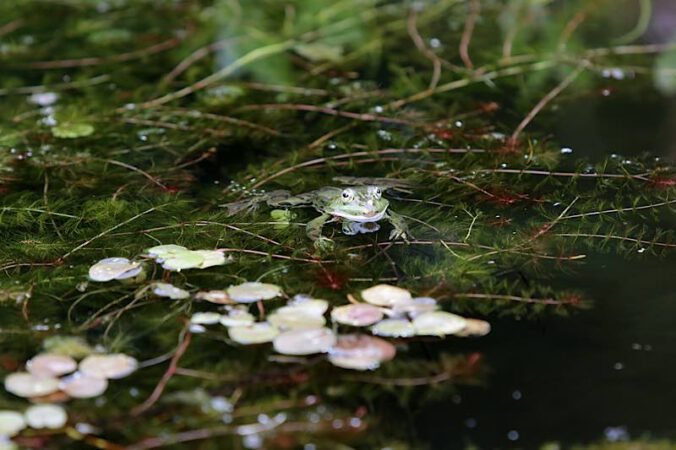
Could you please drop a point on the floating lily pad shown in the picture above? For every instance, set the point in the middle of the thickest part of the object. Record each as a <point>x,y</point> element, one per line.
<point>219,297</point>
<point>183,260</point>
<point>205,318</point>
<point>50,365</point>
<point>474,328</point>
<point>46,416</point>
<point>170,291</point>
<point>250,292</point>
<point>415,306</point>
<point>112,366</point>
<point>396,328</point>
<point>310,305</point>
<point>360,352</point>
<point>357,315</point>
<point>385,295</point>
<point>256,333</point>
<point>211,258</point>
<point>237,318</point>
<point>79,385</point>
<point>294,317</point>
<point>114,269</point>
<point>438,323</point>
<point>24,384</point>
<point>165,251</point>
<point>11,423</point>
<point>72,130</point>
<point>304,341</point>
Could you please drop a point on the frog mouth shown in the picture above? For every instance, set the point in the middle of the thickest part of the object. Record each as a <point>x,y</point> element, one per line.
<point>370,216</point>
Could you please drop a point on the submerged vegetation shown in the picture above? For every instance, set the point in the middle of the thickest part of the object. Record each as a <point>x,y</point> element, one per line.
<point>127,124</point>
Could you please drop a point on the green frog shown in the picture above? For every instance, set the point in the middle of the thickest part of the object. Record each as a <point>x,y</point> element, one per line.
<point>357,208</point>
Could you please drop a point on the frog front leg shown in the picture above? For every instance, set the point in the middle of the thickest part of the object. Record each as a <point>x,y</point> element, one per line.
<point>314,232</point>
<point>400,228</point>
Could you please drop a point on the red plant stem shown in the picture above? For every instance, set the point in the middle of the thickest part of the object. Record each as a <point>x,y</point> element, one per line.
<point>475,7</point>
<point>171,370</point>
<point>95,61</point>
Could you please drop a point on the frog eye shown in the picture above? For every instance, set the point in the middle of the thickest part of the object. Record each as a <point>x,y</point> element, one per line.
<point>375,192</point>
<point>348,195</point>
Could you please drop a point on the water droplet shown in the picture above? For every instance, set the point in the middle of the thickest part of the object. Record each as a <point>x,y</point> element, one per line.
<point>435,43</point>
<point>615,434</point>
<point>516,395</point>
<point>618,366</point>
<point>471,422</point>
<point>252,441</point>
<point>43,98</point>
<point>566,151</point>
<point>221,404</point>
<point>513,435</point>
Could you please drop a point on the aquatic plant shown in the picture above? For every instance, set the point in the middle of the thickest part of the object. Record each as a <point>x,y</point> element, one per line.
<point>123,130</point>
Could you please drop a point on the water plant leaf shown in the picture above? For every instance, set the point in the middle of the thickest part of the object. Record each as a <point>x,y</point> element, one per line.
<point>237,318</point>
<point>357,315</point>
<point>415,306</point>
<point>292,318</point>
<point>170,291</point>
<point>438,323</point>
<point>256,333</point>
<point>114,269</point>
<point>165,251</point>
<point>72,346</point>
<point>24,384</point>
<point>183,260</point>
<point>79,385</point>
<point>205,318</point>
<point>318,51</point>
<point>70,130</point>
<point>214,296</point>
<point>396,328</point>
<point>210,258</point>
<point>11,423</point>
<point>474,328</point>
<point>308,304</point>
<point>253,291</point>
<point>50,365</point>
<point>360,352</point>
<point>110,366</point>
<point>385,295</point>
<point>306,341</point>
<point>46,416</point>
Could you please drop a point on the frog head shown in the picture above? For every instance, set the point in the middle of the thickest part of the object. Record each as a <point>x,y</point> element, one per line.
<point>359,204</point>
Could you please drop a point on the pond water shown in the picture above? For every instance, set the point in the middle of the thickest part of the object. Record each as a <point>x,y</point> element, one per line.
<point>504,161</point>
